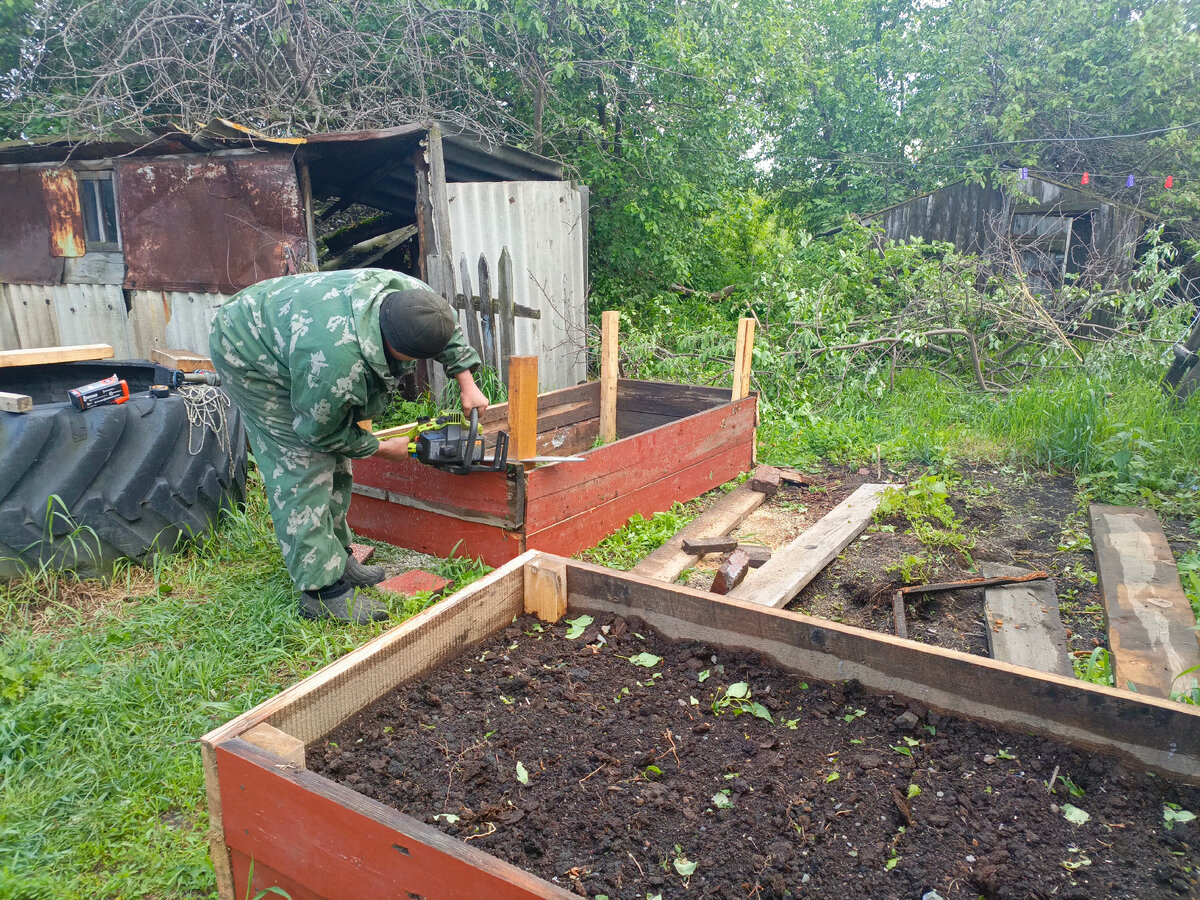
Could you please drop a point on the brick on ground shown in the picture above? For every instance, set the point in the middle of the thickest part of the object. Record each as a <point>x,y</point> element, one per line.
<point>415,581</point>
<point>361,552</point>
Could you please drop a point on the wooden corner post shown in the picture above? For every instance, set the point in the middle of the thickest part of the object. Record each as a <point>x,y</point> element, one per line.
<point>743,359</point>
<point>546,588</point>
<point>522,406</point>
<point>610,324</point>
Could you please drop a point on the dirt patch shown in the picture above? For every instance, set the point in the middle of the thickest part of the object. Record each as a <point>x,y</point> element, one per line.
<point>1012,517</point>
<point>609,778</point>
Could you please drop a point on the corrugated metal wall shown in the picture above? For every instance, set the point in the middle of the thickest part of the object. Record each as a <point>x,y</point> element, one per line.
<point>544,226</point>
<point>50,315</point>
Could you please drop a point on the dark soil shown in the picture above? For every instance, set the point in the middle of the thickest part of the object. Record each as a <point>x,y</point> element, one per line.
<point>1014,517</point>
<point>628,768</point>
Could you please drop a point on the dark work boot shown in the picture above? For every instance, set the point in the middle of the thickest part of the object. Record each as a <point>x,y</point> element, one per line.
<point>358,574</point>
<point>343,602</point>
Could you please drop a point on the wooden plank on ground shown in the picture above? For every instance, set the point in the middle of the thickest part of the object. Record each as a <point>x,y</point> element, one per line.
<point>15,403</point>
<point>790,569</point>
<point>183,360</point>
<point>1023,624</point>
<point>1150,622</point>
<point>668,561</point>
<point>40,356</point>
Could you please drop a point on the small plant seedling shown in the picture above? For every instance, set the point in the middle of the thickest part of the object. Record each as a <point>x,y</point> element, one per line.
<point>737,699</point>
<point>1174,814</point>
<point>703,676</point>
<point>646,660</point>
<point>832,776</point>
<point>1072,788</point>
<point>892,860</point>
<point>857,714</point>
<point>913,791</point>
<point>1004,754</point>
<point>721,799</point>
<point>902,750</point>
<point>1074,814</point>
<point>522,773</point>
<point>578,626</point>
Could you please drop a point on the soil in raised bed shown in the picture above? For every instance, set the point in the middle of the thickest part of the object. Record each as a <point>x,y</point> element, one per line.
<point>569,760</point>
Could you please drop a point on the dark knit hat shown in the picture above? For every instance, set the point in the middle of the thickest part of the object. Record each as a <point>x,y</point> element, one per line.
<point>417,323</point>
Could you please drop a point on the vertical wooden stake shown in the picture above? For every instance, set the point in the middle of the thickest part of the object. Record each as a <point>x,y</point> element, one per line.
<point>546,589</point>
<point>743,358</point>
<point>609,336</point>
<point>522,406</point>
<point>310,222</point>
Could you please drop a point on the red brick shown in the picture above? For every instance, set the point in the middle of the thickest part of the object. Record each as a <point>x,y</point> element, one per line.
<point>415,581</point>
<point>361,552</point>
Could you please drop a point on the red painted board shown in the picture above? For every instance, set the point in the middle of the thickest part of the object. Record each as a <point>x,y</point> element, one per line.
<point>555,408</point>
<point>429,532</point>
<point>568,537</point>
<point>337,843</point>
<point>484,492</point>
<point>558,492</point>
<point>263,877</point>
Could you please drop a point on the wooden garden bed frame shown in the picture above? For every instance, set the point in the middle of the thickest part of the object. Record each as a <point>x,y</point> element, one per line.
<point>316,838</point>
<point>674,442</point>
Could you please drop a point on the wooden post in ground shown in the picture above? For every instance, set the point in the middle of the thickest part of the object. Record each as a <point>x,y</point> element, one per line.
<point>609,331</point>
<point>522,406</point>
<point>743,358</point>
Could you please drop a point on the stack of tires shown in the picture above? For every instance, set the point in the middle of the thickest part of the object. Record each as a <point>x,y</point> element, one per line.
<point>81,490</point>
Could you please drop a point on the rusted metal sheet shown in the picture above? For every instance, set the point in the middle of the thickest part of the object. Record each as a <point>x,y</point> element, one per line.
<point>25,230</point>
<point>61,189</point>
<point>214,225</point>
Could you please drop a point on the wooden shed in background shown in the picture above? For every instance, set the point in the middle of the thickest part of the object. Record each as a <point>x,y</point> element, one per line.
<point>1051,229</point>
<point>135,241</point>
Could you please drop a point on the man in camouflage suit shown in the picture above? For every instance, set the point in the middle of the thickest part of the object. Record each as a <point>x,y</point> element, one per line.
<point>305,357</point>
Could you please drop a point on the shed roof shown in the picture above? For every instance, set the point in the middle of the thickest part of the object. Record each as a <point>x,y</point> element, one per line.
<point>373,166</point>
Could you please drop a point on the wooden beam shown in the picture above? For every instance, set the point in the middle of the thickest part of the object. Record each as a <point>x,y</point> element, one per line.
<point>609,331</point>
<point>1150,622</point>
<point>41,356</point>
<point>506,321</point>
<point>15,403</point>
<point>183,360</point>
<point>668,561</point>
<point>799,562</point>
<point>269,738</point>
<point>705,545</point>
<point>546,589</point>
<point>304,181</point>
<point>1023,624</point>
<point>371,250</point>
<point>743,358</point>
<point>522,407</point>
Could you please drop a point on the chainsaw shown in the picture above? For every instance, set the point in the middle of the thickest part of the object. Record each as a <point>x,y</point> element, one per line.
<point>453,443</point>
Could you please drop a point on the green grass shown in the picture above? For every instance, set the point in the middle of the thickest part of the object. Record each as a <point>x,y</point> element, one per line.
<point>105,692</point>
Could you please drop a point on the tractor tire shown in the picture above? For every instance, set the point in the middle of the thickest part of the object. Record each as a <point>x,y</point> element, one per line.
<point>81,490</point>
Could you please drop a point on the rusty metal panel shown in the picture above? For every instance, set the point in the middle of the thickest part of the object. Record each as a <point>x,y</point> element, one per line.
<point>61,189</point>
<point>25,230</point>
<point>213,225</point>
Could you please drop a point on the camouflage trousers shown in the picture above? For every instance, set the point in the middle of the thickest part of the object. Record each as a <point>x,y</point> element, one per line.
<point>308,491</point>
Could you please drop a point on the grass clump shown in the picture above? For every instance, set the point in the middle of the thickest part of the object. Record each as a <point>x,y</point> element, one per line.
<point>625,548</point>
<point>105,690</point>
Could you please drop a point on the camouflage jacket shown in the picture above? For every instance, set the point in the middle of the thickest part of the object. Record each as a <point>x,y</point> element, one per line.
<point>317,335</point>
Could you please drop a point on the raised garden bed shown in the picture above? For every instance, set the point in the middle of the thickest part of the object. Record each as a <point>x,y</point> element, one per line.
<point>315,837</point>
<point>674,442</point>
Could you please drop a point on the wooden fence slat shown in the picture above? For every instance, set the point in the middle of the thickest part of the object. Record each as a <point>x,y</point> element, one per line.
<point>487,315</point>
<point>507,312</point>
<point>474,334</point>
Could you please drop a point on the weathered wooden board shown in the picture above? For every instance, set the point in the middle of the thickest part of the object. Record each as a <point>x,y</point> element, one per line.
<point>1024,627</point>
<point>183,360</point>
<point>427,531</point>
<point>791,568</point>
<point>39,356</point>
<point>15,403</point>
<point>668,561</point>
<point>1150,622</point>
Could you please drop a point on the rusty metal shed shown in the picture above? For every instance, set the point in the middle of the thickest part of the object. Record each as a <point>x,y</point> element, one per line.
<point>1052,229</point>
<point>136,239</point>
